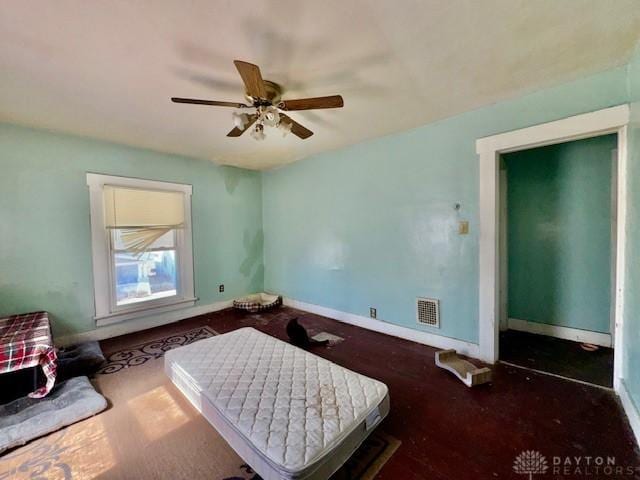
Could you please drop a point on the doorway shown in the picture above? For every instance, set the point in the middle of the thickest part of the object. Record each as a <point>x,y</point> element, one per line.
<point>557,217</point>
<point>489,149</point>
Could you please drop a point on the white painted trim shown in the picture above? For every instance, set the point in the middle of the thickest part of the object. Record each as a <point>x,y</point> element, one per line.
<point>630,408</point>
<point>118,317</point>
<point>557,331</point>
<point>609,120</point>
<point>614,243</point>
<point>504,247</point>
<point>621,258</point>
<point>425,338</point>
<point>600,122</point>
<point>143,323</point>
<point>489,278</point>
<point>104,315</point>
<point>99,180</point>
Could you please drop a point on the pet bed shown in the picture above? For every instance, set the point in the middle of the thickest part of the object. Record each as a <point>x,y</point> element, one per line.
<point>288,413</point>
<point>28,418</point>
<point>258,302</point>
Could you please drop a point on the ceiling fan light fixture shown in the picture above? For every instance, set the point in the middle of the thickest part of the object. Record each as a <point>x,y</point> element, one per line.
<point>240,120</point>
<point>258,133</point>
<point>271,117</point>
<point>284,127</point>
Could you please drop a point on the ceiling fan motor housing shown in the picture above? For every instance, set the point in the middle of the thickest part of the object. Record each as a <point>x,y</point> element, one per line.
<point>274,95</point>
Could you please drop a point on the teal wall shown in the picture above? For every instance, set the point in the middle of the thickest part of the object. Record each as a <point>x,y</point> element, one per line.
<point>45,238</point>
<point>632,285</point>
<point>559,233</point>
<point>374,224</point>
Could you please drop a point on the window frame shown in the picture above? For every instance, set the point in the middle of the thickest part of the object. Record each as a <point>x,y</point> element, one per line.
<point>106,309</point>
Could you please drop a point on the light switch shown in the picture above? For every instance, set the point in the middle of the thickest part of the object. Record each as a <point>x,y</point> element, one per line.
<point>463,227</point>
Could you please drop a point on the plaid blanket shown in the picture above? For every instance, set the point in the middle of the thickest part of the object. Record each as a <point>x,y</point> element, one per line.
<point>25,341</point>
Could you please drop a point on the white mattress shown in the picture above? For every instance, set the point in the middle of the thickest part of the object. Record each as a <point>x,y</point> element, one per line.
<point>286,412</point>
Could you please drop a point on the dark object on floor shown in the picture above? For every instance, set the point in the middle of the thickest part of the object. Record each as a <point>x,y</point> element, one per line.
<point>329,337</point>
<point>20,383</point>
<point>28,418</point>
<point>589,347</point>
<point>299,337</point>
<point>467,372</point>
<point>79,360</point>
<point>557,356</point>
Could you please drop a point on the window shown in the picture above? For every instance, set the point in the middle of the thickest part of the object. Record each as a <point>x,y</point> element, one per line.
<point>141,240</point>
<point>146,276</point>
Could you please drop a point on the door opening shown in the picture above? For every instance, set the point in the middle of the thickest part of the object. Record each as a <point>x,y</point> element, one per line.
<point>557,234</point>
<point>606,121</point>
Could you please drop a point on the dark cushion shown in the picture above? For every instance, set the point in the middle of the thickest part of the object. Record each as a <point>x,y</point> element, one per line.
<point>83,359</point>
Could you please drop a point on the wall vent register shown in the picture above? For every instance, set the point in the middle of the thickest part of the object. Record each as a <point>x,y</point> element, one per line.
<point>428,312</point>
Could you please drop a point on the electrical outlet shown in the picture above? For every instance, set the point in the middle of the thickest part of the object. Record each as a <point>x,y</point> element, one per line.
<point>463,227</point>
<point>373,313</point>
<point>221,288</point>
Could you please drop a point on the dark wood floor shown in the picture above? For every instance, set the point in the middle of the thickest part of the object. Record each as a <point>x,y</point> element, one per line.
<point>557,356</point>
<point>448,431</point>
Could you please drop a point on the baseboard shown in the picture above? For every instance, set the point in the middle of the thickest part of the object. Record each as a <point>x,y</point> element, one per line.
<point>631,410</point>
<point>566,333</point>
<point>437,341</point>
<point>130,326</point>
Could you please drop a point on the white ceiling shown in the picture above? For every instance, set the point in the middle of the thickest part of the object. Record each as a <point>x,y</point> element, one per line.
<point>107,69</point>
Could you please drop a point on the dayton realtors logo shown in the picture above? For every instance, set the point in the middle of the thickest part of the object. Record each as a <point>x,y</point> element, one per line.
<point>530,463</point>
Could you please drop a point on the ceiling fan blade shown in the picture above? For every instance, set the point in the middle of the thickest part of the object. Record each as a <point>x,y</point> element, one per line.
<point>296,128</point>
<point>252,78</point>
<point>236,132</point>
<point>333,101</point>
<point>215,103</point>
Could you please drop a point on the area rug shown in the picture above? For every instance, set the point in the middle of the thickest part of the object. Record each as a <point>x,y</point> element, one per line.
<point>151,431</point>
<point>140,354</point>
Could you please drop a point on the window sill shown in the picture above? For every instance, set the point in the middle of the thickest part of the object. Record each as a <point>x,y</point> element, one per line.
<point>142,311</point>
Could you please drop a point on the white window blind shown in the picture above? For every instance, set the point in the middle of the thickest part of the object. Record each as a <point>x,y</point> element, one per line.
<point>142,216</point>
<point>136,208</point>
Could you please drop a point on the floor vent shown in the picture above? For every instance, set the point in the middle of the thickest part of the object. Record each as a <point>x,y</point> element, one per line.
<point>428,312</point>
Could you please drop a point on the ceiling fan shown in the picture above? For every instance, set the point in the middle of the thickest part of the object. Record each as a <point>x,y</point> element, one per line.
<point>265,97</point>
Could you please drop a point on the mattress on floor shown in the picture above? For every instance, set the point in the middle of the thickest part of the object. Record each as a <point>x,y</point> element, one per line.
<point>286,412</point>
